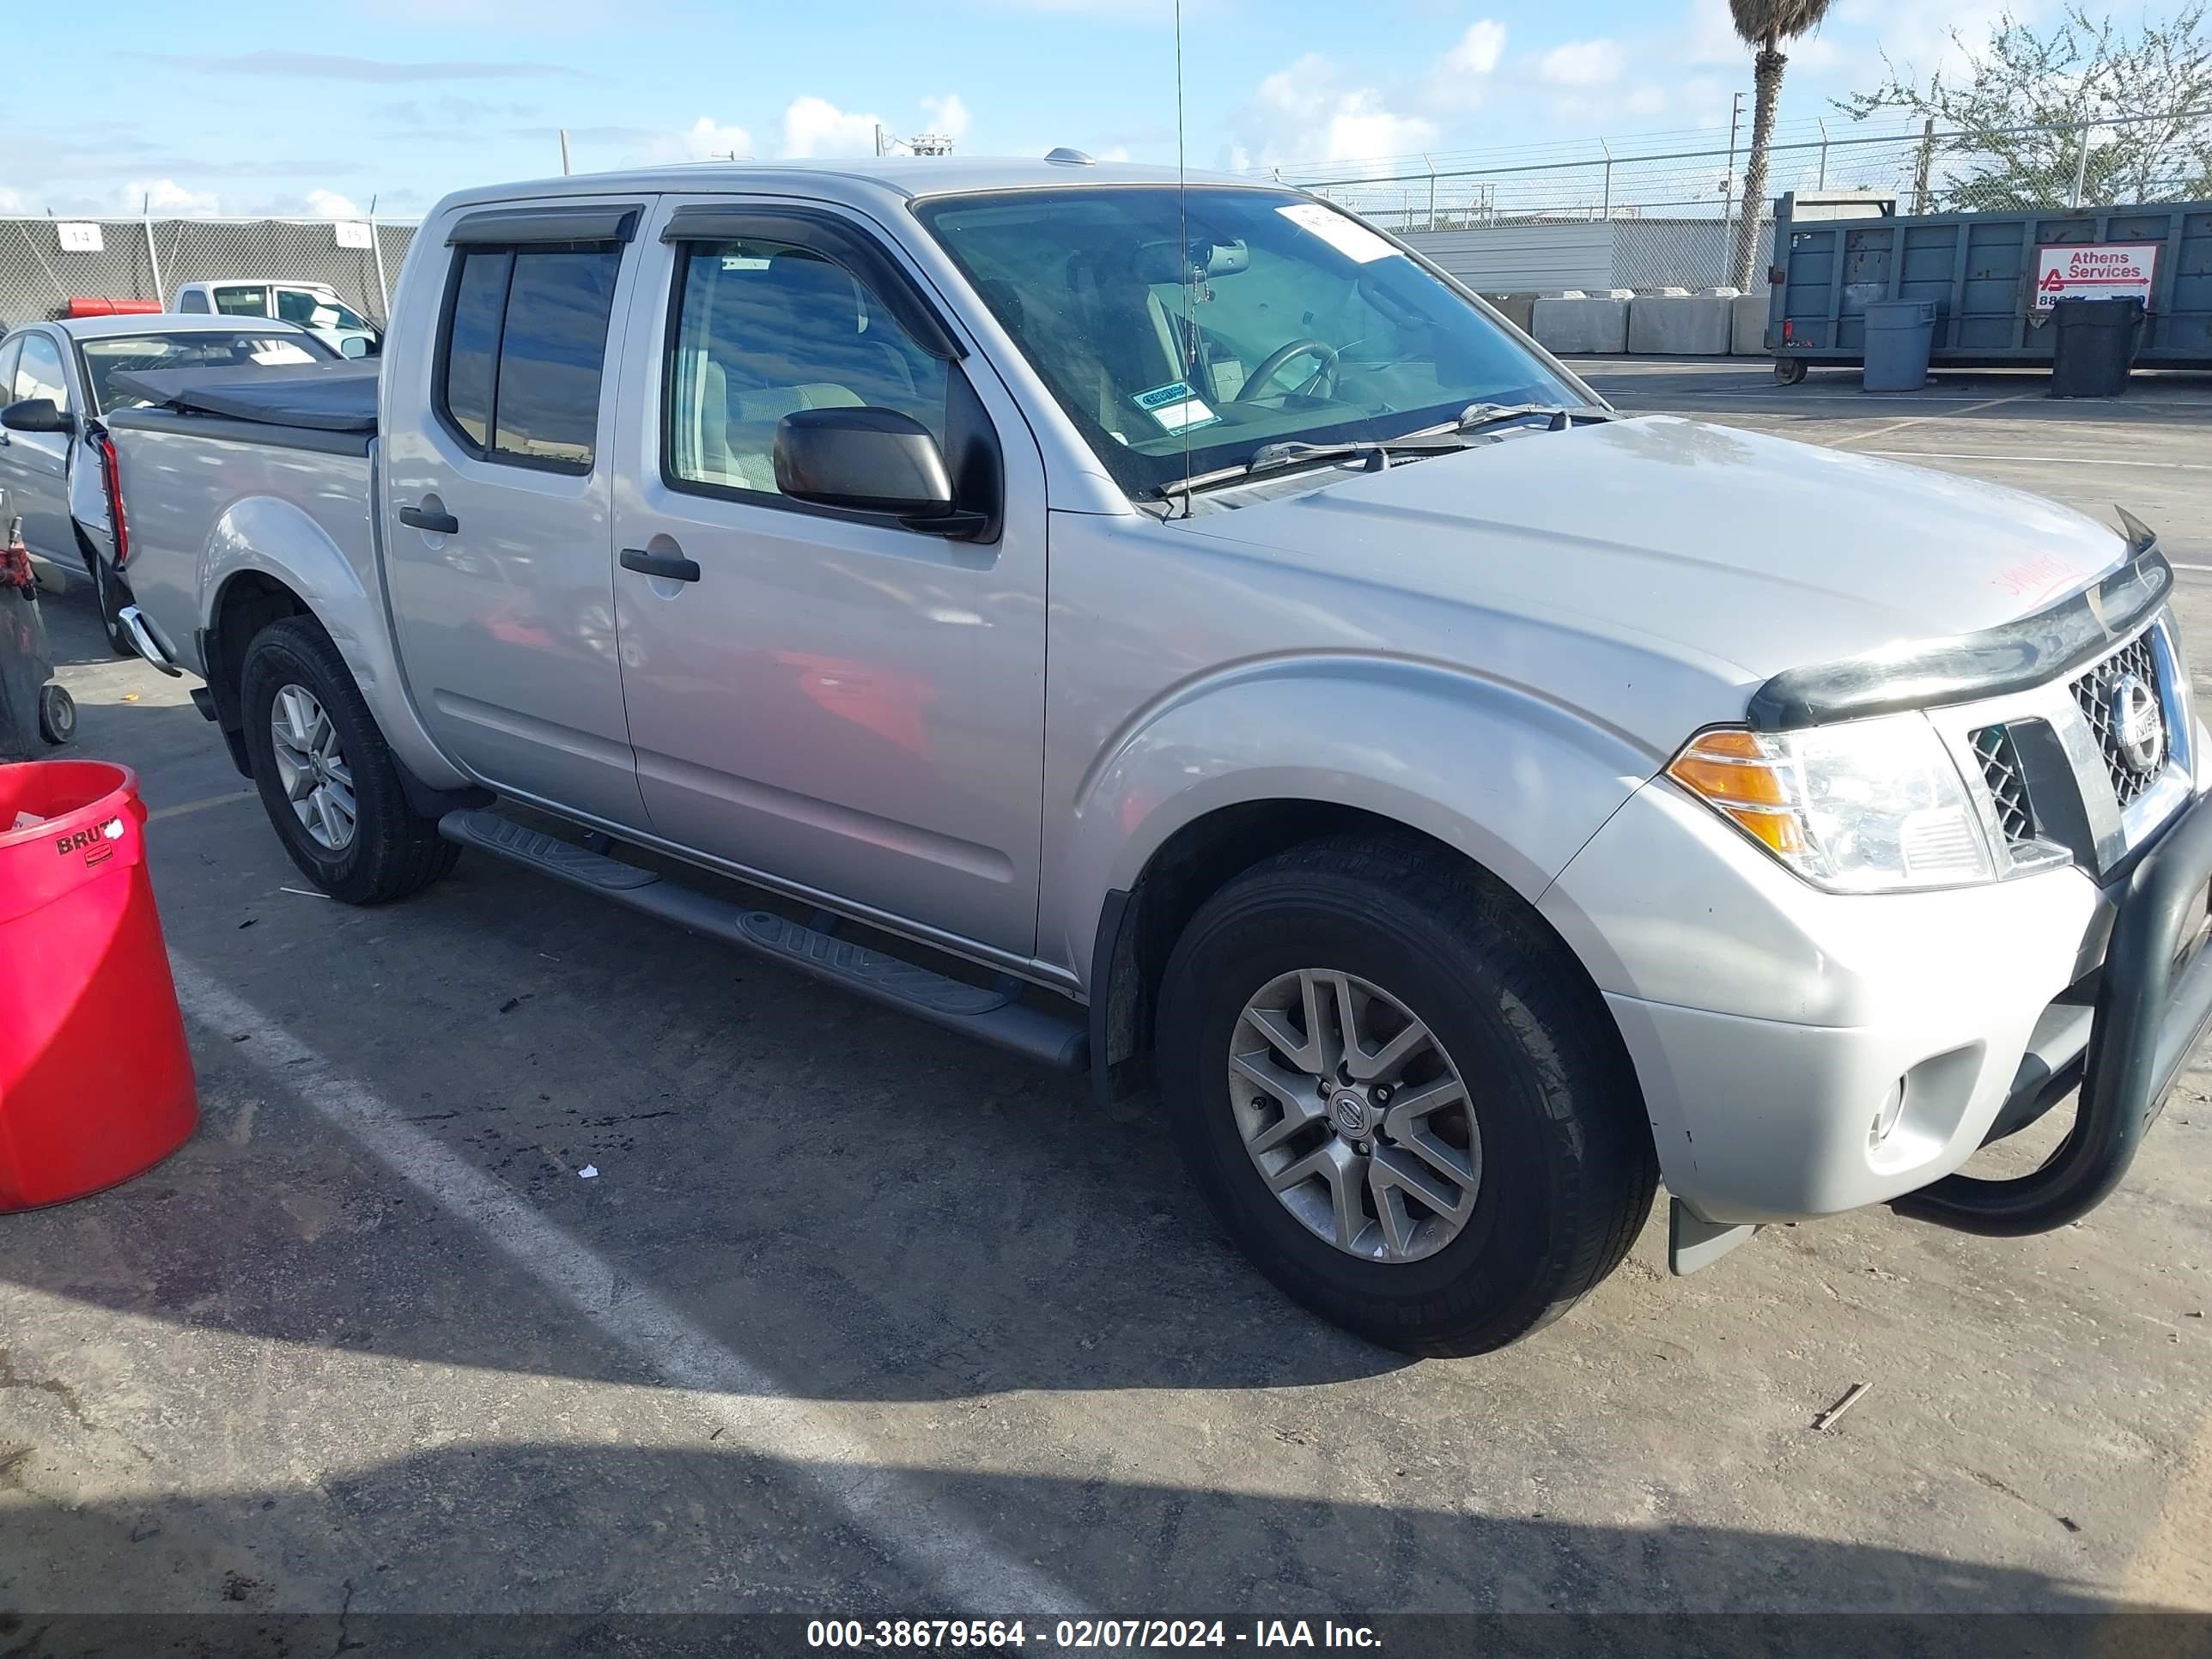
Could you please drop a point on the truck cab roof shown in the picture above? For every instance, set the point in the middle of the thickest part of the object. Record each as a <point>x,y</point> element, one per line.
<point>900,178</point>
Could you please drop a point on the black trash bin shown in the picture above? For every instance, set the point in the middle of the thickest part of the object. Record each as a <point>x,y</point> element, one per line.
<point>2095,346</point>
<point>33,710</point>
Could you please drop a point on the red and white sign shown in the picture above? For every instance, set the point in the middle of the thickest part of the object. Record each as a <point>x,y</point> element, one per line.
<point>2094,270</point>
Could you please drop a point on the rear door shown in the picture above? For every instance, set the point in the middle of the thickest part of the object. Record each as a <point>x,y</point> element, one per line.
<point>851,707</point>
<point>38,462</point>
<point>497,460</point>
<point>9,485</point>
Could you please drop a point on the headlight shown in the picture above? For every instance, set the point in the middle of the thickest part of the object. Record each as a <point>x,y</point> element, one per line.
<point>1867,806</point>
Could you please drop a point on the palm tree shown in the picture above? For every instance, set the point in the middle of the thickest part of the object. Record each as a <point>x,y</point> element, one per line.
<point>1764,24</point>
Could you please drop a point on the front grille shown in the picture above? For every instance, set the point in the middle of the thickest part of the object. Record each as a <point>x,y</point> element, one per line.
<point>2093,692</point>
<point>2001,770</point>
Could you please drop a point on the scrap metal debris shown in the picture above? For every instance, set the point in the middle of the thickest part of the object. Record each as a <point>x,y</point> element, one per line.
<point>1826,1419</point>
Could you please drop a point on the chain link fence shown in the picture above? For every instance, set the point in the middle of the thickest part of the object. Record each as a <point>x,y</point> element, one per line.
<point>45,262</point>
<point>1665,202</point>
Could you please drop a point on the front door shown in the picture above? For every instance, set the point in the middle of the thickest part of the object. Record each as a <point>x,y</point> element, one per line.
<point>38,462</point>
<point>852,707</point>
<point>495,504</point>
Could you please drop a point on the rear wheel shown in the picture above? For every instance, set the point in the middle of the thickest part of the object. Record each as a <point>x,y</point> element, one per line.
<point>1788,371</point>
<point>327,780</point>
<point>1400,1099</point>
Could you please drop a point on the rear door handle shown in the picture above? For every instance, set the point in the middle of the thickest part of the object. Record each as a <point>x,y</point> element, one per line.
<point>438,524</point>
<point>669,566</point>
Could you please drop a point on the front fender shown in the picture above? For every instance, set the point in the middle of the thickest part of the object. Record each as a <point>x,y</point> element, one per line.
<point>1516,780</point>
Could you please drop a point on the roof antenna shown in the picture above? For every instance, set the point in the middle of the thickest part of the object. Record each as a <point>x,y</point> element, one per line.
<point>1183,237</point>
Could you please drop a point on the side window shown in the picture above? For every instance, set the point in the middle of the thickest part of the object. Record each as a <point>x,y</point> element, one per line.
<point>10,354</point>
<point>39,374</point>
<point>525,344</point>
<point>194,302</point>
<point>235,302</point>
<point>296,305</point>
<point>764,328</point>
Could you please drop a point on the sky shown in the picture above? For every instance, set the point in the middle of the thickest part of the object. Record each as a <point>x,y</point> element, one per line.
<point>269,107</point>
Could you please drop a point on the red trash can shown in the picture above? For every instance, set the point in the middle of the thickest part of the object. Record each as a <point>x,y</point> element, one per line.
<point>95,1078</point>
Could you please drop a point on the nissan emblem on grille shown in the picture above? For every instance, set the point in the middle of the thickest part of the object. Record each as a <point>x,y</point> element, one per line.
<point>2138,725</point>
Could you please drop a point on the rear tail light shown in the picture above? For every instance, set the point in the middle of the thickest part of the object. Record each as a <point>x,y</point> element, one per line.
<point>119,528</point>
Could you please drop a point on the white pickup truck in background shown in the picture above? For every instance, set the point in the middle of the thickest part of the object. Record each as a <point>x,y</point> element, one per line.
<point>314,307</point>
<point>1193,641</point>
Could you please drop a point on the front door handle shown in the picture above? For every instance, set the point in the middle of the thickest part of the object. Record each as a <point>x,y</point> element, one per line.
<point>438,524</point>
<point>669,567</point>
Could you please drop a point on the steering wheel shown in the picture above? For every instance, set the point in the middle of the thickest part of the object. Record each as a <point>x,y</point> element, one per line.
<point>1272,365</point>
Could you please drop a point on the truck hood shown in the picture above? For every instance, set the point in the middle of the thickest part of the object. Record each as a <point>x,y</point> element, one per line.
<point>1730,552</point>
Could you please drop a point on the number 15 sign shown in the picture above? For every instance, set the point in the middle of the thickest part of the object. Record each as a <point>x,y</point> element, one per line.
<point>2094,270</point>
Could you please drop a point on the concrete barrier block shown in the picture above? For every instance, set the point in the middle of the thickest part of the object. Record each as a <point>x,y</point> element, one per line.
<point>1516,308</point>
<point>1585,327</point>
<point>1747,337</point>
<point>1680,324</point>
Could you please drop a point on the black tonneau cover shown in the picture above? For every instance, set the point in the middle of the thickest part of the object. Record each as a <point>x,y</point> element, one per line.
<point>336,395</point>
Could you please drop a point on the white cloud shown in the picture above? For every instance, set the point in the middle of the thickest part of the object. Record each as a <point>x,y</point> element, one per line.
<point>13,201</point>
<point>1117,153</point>
<point>1582,63</point>
<point>815,126</point>
<point>710,140</point>
<point>1305,113</point>
<point>1478,49</point>
<point>1646,100</point>
<point>948,115</point>
<point>1461,75</point>
<point>167,198</point>
<point>329,204</point>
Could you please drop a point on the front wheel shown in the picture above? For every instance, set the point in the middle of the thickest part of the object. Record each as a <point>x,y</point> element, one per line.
<point>327,780</point>
<point>1399,1097</point>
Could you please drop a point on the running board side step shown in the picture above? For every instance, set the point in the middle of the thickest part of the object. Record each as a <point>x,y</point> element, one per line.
<point>992,1015</point>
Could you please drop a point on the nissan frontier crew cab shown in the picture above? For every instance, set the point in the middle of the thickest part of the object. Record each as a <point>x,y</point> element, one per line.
<point>1179,635</point>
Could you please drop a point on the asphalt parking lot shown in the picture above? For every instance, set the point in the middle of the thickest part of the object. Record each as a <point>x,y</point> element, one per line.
<point>856,1318</point>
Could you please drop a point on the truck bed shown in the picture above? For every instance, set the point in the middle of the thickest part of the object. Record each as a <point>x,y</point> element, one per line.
<point>273,473</point>
<point>329,406</point>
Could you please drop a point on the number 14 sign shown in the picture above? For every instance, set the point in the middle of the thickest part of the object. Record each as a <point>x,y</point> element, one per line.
<point>2094,270</point>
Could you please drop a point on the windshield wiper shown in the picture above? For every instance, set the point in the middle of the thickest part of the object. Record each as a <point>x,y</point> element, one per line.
<point>1296,451</point>
<point>1475,416</point>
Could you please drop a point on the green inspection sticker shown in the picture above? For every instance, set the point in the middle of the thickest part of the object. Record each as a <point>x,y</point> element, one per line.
<point>1175,407</point>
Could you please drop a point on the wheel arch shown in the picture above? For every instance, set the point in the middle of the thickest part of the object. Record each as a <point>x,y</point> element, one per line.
<point>1138,926</point>
<point>267,558</point>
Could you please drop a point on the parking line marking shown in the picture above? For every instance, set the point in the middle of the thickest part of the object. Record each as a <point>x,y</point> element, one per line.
<point>1923,420</point>
<point>200,805</point>
<point>2045,460</point>
<point>914,1526</point>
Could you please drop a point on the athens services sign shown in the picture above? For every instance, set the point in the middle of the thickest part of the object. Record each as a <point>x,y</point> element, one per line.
<point>2094,270</point>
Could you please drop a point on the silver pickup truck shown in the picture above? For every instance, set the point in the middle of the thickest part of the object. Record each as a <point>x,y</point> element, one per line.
<point>1179,635</point>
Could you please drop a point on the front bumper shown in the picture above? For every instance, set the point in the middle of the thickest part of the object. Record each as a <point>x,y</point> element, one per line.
<point>1774,1028</point>
<point>2152,1006</point>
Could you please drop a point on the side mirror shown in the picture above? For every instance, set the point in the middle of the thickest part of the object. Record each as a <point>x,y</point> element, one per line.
<point>354,345</point>
<point>36,415</point>
<point>869,460</point>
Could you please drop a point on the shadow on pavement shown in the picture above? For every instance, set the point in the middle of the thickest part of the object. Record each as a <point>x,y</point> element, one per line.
<point>613,1533</point>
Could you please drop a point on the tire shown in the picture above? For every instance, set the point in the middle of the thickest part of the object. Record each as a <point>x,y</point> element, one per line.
<point>389,851</point>
<point>57,714</point>
<point>1788,371</point>
<point>1566,1170</point>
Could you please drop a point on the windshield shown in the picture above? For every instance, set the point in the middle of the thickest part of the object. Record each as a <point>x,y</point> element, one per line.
<point>104,359</point>
<point>1238,318</point>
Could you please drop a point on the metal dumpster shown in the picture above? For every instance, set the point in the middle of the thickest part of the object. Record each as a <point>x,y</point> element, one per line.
<point>1981,270</point>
